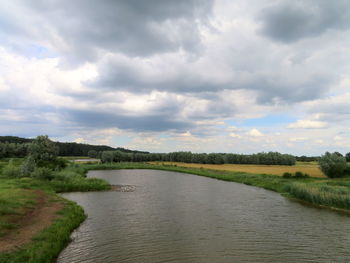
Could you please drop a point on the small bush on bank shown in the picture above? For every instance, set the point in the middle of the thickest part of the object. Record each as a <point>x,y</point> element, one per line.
<point>287,175</point>
<point>297,175</point>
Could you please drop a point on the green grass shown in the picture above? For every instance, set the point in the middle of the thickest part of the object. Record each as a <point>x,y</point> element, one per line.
<point>49,242</point>
<point>331,195</point>
<point>15,198</point>
<point>13,201</point>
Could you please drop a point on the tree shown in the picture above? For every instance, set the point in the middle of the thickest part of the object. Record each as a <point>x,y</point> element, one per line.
<point>92,153</point>
<point>347,156</point>
<point>43,149</point>
<point>107,156</point>
<point>333,165</point>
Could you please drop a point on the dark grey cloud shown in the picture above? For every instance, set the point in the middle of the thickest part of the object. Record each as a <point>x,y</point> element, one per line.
<point>81,29</point>
<point>289,21</point>
<point>274,83</point>
<point>139,78</point>
<point>97,119</point>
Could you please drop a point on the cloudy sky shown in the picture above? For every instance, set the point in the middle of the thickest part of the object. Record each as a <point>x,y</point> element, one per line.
<point>162,75</point>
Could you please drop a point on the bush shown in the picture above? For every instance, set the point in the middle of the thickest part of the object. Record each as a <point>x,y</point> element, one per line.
<point>11,170</point>
<point>42,173</point>
<point>287,175</point>
<point>27,167</point>
<point>333,165</point>
<point>296,175</point>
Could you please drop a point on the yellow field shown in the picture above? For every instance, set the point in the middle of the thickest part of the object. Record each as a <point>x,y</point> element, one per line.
<point>311,168</point>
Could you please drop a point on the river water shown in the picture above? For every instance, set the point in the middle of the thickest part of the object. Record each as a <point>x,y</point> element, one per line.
<point>176,217</point>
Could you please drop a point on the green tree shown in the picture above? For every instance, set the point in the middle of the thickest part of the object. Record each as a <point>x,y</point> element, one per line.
<point>347,156</point>
<point>333,165</point>
<point>107,156</point>
<point>92,153</point>
<point>43,149</point>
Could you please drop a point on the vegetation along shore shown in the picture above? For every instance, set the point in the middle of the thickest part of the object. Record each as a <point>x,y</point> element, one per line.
<point>36,223</point>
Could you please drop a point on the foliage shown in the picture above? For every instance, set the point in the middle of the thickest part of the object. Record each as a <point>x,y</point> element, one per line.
<point>28,166</point>
<point>11,170</point>
<point>305,158</point>
<point>299,174</point>
<point>287,175</point>
<point>92,154</point>
<point>333,165</point>
<point>17,147</point>
<point>107,156</point>
<point>43,149</point>
<point>270,158</point>
<point>42,173</point>
<point>10,150</point>
<point>347,156</point>
<point>321,194</point>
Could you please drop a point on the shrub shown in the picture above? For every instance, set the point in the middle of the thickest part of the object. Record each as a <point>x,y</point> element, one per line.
<point>287,175</point>
<point>11,170</point>
<point>107,157</point>
<point>27,167</point>
<point>333,165</point>
<point>42,173</point>
<point>298,174</point>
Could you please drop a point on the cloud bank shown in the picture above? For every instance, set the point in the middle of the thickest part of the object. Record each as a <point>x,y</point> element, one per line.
<point>165,75</point>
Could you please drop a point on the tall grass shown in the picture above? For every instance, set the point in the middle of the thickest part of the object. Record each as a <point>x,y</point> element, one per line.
<point>321,194</point>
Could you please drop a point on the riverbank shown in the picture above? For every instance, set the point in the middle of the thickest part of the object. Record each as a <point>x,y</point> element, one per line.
<point>35,222</point>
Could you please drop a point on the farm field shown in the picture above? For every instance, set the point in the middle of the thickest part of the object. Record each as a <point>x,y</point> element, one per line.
<point>311,168</point>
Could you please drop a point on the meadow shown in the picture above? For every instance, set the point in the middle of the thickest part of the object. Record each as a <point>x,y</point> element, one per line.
<point>310,168</point>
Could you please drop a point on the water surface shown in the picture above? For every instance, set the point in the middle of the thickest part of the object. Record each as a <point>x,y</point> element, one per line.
<point>175,217</point>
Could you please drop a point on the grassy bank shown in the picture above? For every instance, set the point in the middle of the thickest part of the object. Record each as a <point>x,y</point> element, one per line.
<point>46,245</point>
<point>18,201</point>
<point>332,193</point>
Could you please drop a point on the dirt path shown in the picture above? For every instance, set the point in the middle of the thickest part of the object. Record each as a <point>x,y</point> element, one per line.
<point>31,223</point>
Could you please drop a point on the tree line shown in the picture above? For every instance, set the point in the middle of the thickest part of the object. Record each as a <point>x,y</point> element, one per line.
<point>269,158</point>
<point>13,146</point>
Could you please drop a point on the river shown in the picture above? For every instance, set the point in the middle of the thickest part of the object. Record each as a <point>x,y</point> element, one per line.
<point>176,217</point>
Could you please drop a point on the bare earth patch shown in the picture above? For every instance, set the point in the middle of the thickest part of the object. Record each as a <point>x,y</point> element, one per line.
<point>31,222</point>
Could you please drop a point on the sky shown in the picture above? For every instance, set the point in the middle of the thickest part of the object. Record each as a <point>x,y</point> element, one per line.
<point>240,76</point>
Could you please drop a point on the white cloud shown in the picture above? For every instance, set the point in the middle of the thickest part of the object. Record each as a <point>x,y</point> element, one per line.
<point>308,124</point>
<point>255,133</point>
<point>234,135</point>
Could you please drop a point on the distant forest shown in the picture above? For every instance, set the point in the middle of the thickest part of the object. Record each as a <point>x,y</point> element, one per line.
<point>13,146</point>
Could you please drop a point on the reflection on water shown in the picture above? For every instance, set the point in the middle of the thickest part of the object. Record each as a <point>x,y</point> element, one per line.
<point>174,217</point>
